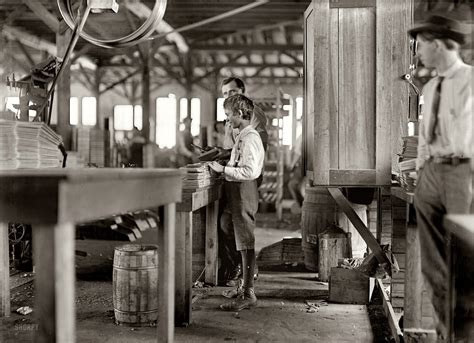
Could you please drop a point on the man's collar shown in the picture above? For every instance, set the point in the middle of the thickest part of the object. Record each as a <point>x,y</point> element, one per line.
<point>451,70</point>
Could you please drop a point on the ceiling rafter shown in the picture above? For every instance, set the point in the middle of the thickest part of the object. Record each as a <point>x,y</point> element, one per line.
<point>43,13</point>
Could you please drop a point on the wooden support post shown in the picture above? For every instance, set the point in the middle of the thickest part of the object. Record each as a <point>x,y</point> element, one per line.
<point>97,81</point>
<point>55,282</point>
<point>212,211</point>
<point>63,87</point>
<point>166,271</point>
<point>4,272</point>
<point>183,276</point>
<point>146,93</point>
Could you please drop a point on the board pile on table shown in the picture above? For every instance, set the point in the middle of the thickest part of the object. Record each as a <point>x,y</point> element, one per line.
<point>198,175</point>
<point>28,145</point>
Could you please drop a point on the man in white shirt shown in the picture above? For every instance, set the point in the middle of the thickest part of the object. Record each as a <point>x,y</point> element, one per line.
<point>230,257</point>
<point>241,193</point>
<point>445,150</point>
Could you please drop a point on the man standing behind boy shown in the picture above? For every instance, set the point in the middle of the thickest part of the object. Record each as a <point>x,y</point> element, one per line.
<point>241,192</point>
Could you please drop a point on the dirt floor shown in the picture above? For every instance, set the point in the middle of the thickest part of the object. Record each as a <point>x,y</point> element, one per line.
<point>291,305</point>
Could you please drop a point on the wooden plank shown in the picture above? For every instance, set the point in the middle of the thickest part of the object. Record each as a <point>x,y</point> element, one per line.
<point>392,318</point>
<point>184,222</point>
<point>43,14</point>
<point>340,177</point>
<point>356,133</point>
<point>64,276</point>
<point>63,88</point>
<point>413,280</point>
<point>211,243</point>
<point>402,194</point>
<point>54,282</point>
<point>321,96</point>
<point>351,3</point>
<point>166,270</point>
<point>4,271</point>
<point>334,88</point>
<point>372,243</point>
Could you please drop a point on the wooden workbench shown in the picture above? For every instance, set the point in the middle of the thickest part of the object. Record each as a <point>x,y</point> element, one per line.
<point>52,201</point>
<point>207,198</point>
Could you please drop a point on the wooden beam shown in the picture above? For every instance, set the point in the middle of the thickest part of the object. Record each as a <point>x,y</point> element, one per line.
<point>392,319</point>
<point>42,13</point>
<point>299,62</point>
<point>245,47</point>
<point>81,52</point>
<point>26,53</point>
<point>88,79</point>
<point>22,64</point>
<point>216,68</point>
<point>122,80</point>
<point>365,233</point>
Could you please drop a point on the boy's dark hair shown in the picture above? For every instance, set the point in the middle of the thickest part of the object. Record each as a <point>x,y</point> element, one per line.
<point>240,84</point>
<point>239,102</point>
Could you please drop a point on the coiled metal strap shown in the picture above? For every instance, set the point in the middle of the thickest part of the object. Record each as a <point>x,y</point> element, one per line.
<point>138,36</point>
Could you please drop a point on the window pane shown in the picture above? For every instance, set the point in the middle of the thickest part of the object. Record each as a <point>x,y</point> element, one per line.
<point>14,100</point>
<point>73,111</point>
<point>287,124</point>
<point>123,117</point>
<point>195,116</point>
<point>299,107</point>
<point>220,110</point>
<point>166,122</point>
<point>183,108</point>
<point>89,111</point>
<point>138,117</point>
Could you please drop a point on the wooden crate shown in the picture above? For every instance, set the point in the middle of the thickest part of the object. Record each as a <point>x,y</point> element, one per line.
<point>354,120</point>
<point>349,286</point>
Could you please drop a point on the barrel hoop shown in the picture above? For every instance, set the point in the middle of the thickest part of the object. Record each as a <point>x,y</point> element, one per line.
<point>135,268</point>
<point>136,312</point>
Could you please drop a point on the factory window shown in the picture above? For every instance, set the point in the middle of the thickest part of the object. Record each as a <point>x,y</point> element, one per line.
<point>89,111</point>
<point>288,123</point>
<point>73,111</point>
<point>299,115</point>
<point>220,110</point>
<point>195,114</point>
<point>138,117</point>
<point>166,121</point>
<point>123,117</point>
<point>14,100</point>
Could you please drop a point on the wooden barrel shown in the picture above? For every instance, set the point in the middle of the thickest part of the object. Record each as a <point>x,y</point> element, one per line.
<point>318,212</point>
<point>135,284</point>
<point>334,244</point>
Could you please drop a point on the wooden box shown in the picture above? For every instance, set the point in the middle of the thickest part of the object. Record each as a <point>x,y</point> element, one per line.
<point>356,105</point>
<point>349,286</point>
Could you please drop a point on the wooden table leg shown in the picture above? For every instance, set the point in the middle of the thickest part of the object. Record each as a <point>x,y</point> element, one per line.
<point>53,247</point>
<point>166,278</point>
<point>4,272</point>
<point>211,243</point>
<point>183,276</point>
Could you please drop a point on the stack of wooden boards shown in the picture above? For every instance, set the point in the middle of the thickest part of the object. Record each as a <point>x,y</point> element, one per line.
<point>198,175</point>
<point>28,145</point>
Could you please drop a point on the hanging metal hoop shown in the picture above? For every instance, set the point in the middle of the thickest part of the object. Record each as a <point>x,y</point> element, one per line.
<point>139,35</point>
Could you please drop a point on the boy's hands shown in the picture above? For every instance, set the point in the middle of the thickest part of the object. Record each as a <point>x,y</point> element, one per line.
<point>217,167</point>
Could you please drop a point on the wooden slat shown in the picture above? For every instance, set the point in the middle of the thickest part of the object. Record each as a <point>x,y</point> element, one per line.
<point>184,222</point>
<point>356,131</point>
<point>211,243</point>
<point>320,79</point>
<point>43,14</point>
<point>372,243</point>
<point>392,318</point>
<point>64,276</point>
<point>166,271</point>
<point>351,3</point>
<point>352,177</point>
<point>4,271</point>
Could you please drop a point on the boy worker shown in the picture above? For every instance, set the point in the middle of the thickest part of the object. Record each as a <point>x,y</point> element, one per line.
<point>241,192</point>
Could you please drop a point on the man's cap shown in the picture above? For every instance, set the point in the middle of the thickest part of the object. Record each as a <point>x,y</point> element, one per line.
<point>442,26</point>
